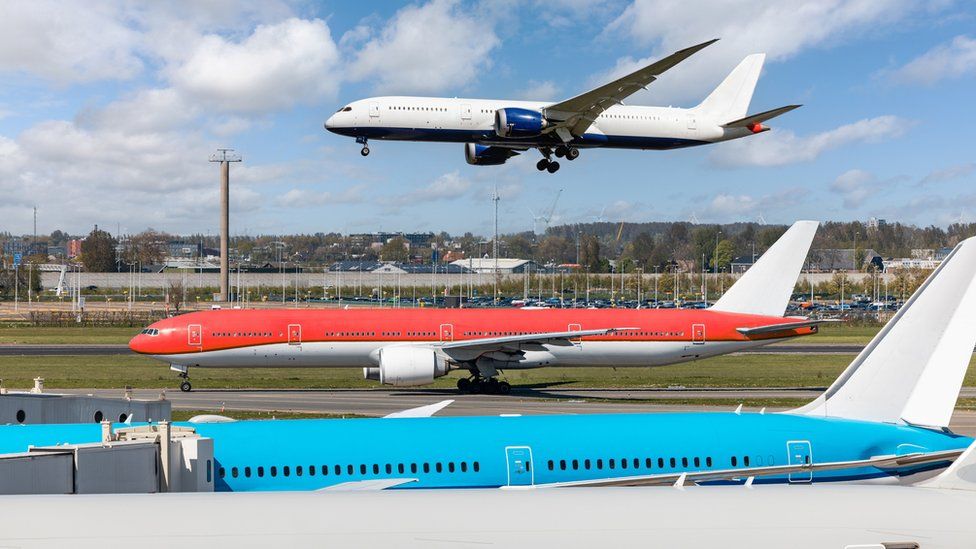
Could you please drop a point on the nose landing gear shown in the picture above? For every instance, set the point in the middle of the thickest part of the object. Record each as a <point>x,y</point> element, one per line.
<point>184,373</point>
<point>362,141</point>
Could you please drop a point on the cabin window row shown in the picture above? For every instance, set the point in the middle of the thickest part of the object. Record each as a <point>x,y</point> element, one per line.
<point>626,463</point>
<point>362,469</point>
<point>241,334</point>
<point>435,109</point>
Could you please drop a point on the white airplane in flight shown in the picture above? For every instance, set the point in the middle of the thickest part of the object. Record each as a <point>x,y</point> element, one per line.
<point>494,130</point>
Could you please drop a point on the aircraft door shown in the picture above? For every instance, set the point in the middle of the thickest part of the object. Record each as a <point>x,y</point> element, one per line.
<point>698,334</point>
<point>374,112</point>
<point>447,333</point>
<point>800,453</point>
<point>194,335</point>
<point>692,122</point>
<point>294,334</point>
<point>576,341</point>
<point>519,459</point>
<point>465,112</point>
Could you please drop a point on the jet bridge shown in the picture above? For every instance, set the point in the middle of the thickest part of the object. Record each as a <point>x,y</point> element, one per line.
<point>145,459</point>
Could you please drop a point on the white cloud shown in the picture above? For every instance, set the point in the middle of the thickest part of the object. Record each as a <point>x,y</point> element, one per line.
<point>726,206</point>
<point>425,49</point>
<point>546,90</point>
<point>951,60</point>
<point>277,66</point>
<point>780,28</point>
<point>948,174</point>
<point>782,147</point>
<point>855,186</point>
<point>449,186</point>
<point>68,42</point>
<point>302,198</point>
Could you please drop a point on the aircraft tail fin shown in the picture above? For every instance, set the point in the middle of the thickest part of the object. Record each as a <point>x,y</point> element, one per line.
<point>961,475</point>
<point>730,100</point>
<point>765,289</point>
<point>911,372</point>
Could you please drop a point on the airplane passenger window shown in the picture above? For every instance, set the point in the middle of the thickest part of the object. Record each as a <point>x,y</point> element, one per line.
<point>562,465</point>
<point>286,470</point>
<point>311,470</point>
<point>450,467</point>
<point>708,462</point>
<point>298,470</point>
<point>464,467</point>
<point>274,471</point>
<point>623,463</point>
<point>437,467</point>
<point>745,460</point>
<point>550,464</point>
<point>413,467</point>
<point>376,469</point>
<point>426,467</point>
<point>660,463</point>
<point>636,463</point>
<point>233,472</point>
<point>684,462</point>
<point>362,469</point>
<point>648,463</point>
<point>475,466</point>
<point>599,464</point>
<point>338,469</point>
<point>260,471</point>
<point>349,469</point>
<point>221,472</point>
<point>697,462</point>
<point>673,463</point>
<point>575,464</point>
<point>586,464</point>
<point>734,461</point>
<point>389,469</point>
<point>611,464</point>
<point>247,472</point>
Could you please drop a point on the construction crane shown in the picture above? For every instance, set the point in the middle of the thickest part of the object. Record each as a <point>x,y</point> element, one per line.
<point>547,218</point>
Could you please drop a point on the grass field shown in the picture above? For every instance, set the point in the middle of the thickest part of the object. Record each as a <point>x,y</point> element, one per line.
<point>767,370</point>
<point>829,334</point>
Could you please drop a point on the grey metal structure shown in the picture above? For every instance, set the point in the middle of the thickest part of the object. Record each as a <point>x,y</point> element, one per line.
<point>225,157</point>
<point>37,406</point>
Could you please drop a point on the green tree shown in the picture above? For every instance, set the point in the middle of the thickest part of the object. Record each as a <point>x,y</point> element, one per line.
<point>396,249</point>
<point>98,251</point>
<point>724,254</point>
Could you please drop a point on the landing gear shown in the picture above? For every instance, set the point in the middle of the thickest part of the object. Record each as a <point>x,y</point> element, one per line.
<point>184,373</point>
<point>479,385</point>
<point>572,153</point>
<point>362,141</point>
<point>547,163</point>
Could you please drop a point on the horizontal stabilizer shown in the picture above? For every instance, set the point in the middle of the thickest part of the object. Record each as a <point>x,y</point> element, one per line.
<point>775,328</point>
<point>961,475</point>
<point>880,462</point>
<point>765,289</point>
<point>759,118</point>
<point>911,372</point>
<point>422,411</point>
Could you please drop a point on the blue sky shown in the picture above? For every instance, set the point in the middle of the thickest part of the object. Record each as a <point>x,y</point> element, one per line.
<point>110,110</point>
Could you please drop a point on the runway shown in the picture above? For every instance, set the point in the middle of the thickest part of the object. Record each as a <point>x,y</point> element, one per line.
<point>379,402</point>
<point>121,349</point>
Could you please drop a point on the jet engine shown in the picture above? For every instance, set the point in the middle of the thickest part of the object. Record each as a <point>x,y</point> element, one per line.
<point>483,155</point>
<point>407,366</point>
<point>515,122</point>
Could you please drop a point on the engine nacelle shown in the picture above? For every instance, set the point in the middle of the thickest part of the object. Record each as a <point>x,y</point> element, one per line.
<point>483,155</point>
<point>407,366</point>
<point>515,122</point>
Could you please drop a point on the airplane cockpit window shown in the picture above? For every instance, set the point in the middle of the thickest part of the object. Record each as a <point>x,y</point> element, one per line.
<point>347,108</point>
<point>150,332</point>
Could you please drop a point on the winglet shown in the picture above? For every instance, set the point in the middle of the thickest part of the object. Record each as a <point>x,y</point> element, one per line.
<point>766,287</point>
<point>911,372</point>
<point>422,411</point>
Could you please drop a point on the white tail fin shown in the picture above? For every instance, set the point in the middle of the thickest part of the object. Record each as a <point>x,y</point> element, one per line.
<point>730,100</point>
<point>961,475</point>
<point>765,289</point>
<point>913,369</point>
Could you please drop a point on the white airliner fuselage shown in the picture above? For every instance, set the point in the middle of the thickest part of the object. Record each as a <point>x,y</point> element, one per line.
<point>494,130</point>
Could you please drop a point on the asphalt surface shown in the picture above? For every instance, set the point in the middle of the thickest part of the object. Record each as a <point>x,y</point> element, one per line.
<point>114,350</point>
<point>379,402</point>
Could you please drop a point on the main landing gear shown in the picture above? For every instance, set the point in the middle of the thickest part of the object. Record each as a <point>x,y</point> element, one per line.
<point>362,141</point>
<point>489,386</point>
<point>562,151</point>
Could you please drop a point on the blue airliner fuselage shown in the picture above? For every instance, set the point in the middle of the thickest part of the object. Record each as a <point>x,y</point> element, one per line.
<point>444,452</point>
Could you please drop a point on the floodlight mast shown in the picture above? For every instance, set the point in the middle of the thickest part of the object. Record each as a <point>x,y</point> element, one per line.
<point>225,157</point>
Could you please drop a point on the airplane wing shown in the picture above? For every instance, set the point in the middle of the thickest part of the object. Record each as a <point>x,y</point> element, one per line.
<point>556,338</point>
<point>573,116</point>
<point>880,462</point>
<point>422,411</point>
<point>759,118</point>
<point>775,328</point>
<point>368,485</point>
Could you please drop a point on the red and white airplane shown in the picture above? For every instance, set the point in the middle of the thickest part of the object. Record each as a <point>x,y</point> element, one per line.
<point>404,347</point>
